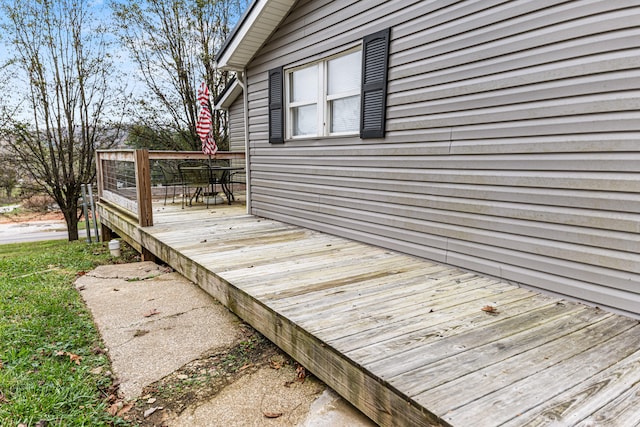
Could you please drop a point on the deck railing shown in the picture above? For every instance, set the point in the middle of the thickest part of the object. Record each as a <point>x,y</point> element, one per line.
<point>125,177</point>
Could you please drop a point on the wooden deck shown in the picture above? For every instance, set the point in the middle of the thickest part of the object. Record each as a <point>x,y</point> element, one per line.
<point>405,339</point>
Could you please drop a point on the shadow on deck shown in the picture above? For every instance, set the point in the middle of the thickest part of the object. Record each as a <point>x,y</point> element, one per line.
<point>406,340</point>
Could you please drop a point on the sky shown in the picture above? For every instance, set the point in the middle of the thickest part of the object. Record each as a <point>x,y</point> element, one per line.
<point>102,10</point>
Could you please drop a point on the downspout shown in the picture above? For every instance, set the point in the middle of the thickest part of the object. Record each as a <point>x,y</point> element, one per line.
<point>242,78</point>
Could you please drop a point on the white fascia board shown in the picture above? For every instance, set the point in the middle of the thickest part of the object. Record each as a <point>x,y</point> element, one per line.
<point>251,33</point>
<point>229,96</point>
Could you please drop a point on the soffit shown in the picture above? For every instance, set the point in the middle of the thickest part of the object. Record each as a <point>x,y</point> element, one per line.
<point>258,23</point>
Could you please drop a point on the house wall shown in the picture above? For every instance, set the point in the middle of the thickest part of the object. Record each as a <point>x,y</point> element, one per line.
<point>512,144</point>
<point>237,133</point>
<point>236,125</point>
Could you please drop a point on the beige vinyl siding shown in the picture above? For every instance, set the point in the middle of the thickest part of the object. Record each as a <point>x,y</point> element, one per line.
<point>512,146</point>
<point>236,131</point>
<point>236,125</point>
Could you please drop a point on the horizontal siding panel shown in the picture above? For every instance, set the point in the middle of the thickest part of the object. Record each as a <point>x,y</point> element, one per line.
<point>440,144</point>
<point>581,70</point>
<point>389,190</point>
<point>259,113</point>
<point>422,73</point>
<point>523,49</point>
<point>485,21</point>
<point>567,90</point>
<point>555,109</point>
<point>549,27</point>
<point>589,143</point>
<point>571,125</point>
<point>575,162</point>
<point>596,181</point>
<point>528,220</point>
<point>236,125</point>
<point>594,227</point>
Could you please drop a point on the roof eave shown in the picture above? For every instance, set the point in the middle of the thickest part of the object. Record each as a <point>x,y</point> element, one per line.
<point>230,94</point>
<point>247,37</point>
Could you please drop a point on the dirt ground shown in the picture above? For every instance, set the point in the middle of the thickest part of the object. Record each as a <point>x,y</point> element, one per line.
<point>179,358</point>
<point>27,216</point>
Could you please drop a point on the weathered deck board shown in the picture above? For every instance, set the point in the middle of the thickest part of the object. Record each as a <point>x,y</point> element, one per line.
<point>405,339</point>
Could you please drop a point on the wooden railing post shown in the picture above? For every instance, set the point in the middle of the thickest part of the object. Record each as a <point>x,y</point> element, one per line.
<point>143,186</point>
<point>99,174</point>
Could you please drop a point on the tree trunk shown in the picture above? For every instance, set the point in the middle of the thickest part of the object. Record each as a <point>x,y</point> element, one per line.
<point>71,218</point>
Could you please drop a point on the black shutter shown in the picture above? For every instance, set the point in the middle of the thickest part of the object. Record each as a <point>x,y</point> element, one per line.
<point>276,107</point>
<point>373,96</point>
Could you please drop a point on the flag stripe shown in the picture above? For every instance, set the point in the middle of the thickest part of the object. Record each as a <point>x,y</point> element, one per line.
<point>203,127</point>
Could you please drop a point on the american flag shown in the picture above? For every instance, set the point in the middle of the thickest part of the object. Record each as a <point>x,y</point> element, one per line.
<point>204,126</point>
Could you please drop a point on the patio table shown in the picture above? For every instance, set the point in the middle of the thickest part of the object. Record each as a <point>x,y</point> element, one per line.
<point>215,175</point>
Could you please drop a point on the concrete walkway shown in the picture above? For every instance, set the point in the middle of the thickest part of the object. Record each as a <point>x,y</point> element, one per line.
<point>154,322</point>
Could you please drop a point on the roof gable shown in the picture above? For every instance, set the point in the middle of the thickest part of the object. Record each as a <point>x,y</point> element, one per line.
<point>254,28</point>
<point>229,95</point>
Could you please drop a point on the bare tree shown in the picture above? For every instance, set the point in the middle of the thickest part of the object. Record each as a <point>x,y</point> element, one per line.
<point>173,43</point>
<point>61,53</point>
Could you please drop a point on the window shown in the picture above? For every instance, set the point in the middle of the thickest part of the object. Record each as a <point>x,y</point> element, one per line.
<point>324,98</point>
<point>338,96</point>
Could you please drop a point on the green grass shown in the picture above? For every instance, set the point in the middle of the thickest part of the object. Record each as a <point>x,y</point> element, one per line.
<point>44,321</point>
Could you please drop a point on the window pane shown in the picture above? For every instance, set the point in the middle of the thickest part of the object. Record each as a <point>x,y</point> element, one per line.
<point>305,120</point>
<point>345,73</point>
<point>345,114</point>
<point>304,84</point>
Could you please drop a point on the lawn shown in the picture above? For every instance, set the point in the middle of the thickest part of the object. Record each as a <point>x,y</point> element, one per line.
<point>52,365</point>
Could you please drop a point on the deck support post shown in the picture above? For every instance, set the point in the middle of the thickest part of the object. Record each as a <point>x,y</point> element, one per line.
<point>106,233</point>
<point>147,255</point>
<point>143,186</point>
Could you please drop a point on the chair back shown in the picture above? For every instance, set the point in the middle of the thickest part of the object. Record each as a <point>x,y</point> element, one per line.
<point>194,173</point>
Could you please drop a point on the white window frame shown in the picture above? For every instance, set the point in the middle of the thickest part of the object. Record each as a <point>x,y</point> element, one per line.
<point>323,125</point>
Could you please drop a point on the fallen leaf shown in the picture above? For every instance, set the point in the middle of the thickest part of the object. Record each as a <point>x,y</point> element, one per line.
<point>113,409</point>
<point>153,312</point>
<point>42,423</point>
<point>151,400</point>
<point>74,358</point>
<point>490,309</point>
<point>275,364</point>
<point>3,398</point>
<point>272,414</point>
<point>126,408</point>
<point>301,373</point>
<point>150,411</point>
